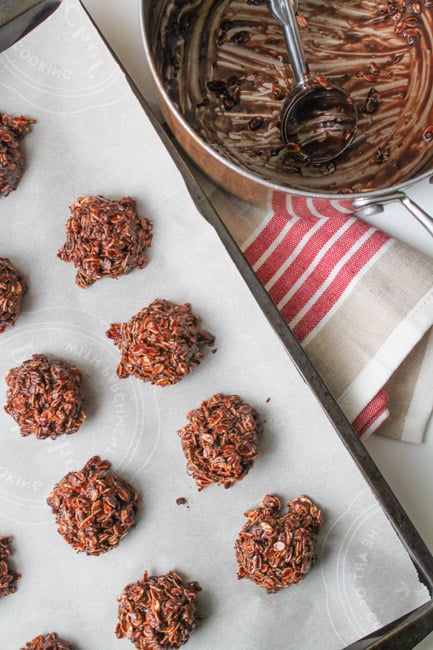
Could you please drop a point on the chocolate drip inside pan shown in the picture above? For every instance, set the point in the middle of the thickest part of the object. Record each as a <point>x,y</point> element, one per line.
<point>225,68</point>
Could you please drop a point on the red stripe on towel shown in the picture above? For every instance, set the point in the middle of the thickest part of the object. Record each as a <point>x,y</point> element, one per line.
<point>330,296</point>
<point>305,257</point>
<point>372,413</point>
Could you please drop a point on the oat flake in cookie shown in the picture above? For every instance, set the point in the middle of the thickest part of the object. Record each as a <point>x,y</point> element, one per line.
<point>12,131</point>
<point>105,238</point>
<point>8,578</point>
<point>45,397</point>
<point>158,612</point>
<point>274,549</point>
<point>12,289</point>
<point>47,642</point>
<point>161,344</point>
<point>94,507</point>
<point>220,442</point>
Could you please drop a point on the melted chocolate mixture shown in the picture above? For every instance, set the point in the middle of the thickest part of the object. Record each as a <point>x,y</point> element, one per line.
<point>226,69</point>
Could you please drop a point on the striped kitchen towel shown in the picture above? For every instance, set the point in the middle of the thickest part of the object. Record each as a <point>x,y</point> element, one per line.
<point>359,301</point>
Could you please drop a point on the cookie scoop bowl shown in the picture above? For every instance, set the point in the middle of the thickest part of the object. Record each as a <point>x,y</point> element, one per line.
<point>221,76</point>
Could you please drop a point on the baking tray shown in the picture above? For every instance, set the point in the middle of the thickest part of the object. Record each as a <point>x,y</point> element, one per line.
<point>410,629</point>
<point>405,632</point>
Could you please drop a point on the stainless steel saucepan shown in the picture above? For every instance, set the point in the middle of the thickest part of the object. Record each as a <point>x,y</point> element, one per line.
<point>222,74</point>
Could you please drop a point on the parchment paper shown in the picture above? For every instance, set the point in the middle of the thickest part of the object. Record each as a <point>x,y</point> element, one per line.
<point>92,137</point>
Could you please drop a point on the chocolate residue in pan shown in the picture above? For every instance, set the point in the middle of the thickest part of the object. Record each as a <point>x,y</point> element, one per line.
<point>379,53</point>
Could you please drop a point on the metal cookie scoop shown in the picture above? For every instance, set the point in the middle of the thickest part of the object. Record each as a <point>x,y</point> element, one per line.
<point>317,118</point>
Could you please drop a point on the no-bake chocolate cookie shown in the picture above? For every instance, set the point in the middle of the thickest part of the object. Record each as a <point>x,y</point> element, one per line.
<point>276,549</point>
<point>94,507</point>
<point>158,612</point>
<point>47,642</point>
<point>8,578</point>
<point>220,441</point>
<point>105,238</point>
<point>45,397</point>
<point>12,289</point>
<point>161,344</point>
<point>12,131</point>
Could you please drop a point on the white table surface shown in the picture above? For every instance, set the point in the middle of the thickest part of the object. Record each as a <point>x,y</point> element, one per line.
<point>406,467</point>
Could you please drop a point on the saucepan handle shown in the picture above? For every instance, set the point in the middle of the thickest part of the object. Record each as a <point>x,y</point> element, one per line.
<point>420,215</point>
<point>365,206</point>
